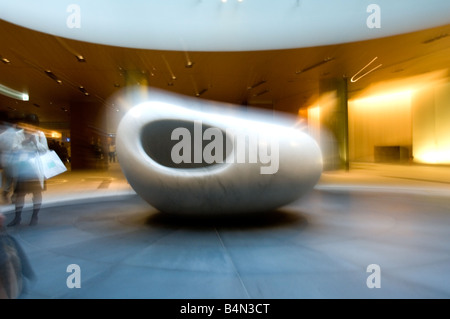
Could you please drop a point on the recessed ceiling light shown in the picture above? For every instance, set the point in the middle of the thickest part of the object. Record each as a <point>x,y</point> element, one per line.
<point>5,60</point>
<point>83,90</point>
<point>53,76</point>
<point>81,58</point>
<point>201,92</point>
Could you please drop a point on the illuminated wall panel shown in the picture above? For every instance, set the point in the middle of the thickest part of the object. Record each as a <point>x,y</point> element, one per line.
<point>379,121</point>
<point>314,122</point>
<point>431,124</point>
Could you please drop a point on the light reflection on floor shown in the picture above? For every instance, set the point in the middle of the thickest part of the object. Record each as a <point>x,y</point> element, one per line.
<point>317,247</point>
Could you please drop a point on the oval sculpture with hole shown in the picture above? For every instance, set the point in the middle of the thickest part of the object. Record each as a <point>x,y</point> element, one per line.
<point>189,156</point>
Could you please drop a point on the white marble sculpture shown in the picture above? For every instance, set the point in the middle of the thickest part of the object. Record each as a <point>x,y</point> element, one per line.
<point>191,156</point>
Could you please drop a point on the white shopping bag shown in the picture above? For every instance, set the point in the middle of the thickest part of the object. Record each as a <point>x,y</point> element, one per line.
<point>51,164</point>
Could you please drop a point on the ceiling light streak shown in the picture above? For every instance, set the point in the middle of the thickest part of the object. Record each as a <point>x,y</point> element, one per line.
<point>256,84</point>
<point>260,93</point>
<point>13,93</point>
<point>189,63</point>
<point>26,61</point>
<point>50,74</point>
<point>195,85</point>
<point>79,56</point>
<point>172,75</point>
<point>353,79</point>
<point>326,60</point>
<point>441,36</point>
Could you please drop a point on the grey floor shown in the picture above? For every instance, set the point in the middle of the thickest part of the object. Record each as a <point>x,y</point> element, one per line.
<point>317,247</point>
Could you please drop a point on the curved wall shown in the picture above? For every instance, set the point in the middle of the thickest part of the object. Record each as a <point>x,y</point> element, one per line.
<point>225,25</point>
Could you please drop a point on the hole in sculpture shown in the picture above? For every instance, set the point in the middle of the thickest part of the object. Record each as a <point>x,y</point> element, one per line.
<point>184,144</point>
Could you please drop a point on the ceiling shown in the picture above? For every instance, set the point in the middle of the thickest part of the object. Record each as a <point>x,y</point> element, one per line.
<point>219,76</point>
<point>225,25</point>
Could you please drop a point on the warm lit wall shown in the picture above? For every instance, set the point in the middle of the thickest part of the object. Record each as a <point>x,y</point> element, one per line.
<point>431,123</point>
<point>410,113</point>
<point>381,120</point>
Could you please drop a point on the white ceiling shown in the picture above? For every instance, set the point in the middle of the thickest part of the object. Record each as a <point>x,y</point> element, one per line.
<point>224,25</point>
<point>226,76</point>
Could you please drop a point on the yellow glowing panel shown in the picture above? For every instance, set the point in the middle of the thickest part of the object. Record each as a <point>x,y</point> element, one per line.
<point>379,120</point>
<point>433,157</point>
<point>432,123</point>
<point>413,83</point>
<point>314,121</point>
<point>382,99</point>
<point>314,113</point>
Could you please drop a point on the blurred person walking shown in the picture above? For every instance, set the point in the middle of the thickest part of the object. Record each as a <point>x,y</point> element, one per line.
<point>8,138</point>
<point>14,265</point>
<point>28,167</point>
<point>112,153</point>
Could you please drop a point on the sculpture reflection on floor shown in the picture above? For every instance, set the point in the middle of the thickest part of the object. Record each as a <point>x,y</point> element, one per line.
<point>185,155</point>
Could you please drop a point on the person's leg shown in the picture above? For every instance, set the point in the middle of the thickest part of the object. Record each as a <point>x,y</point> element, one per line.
<point>7,182</point>
<point>19,201</point>
<point>37,200</point>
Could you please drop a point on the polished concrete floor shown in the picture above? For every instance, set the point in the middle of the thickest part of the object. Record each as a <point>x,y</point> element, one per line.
<point>318,247</point>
